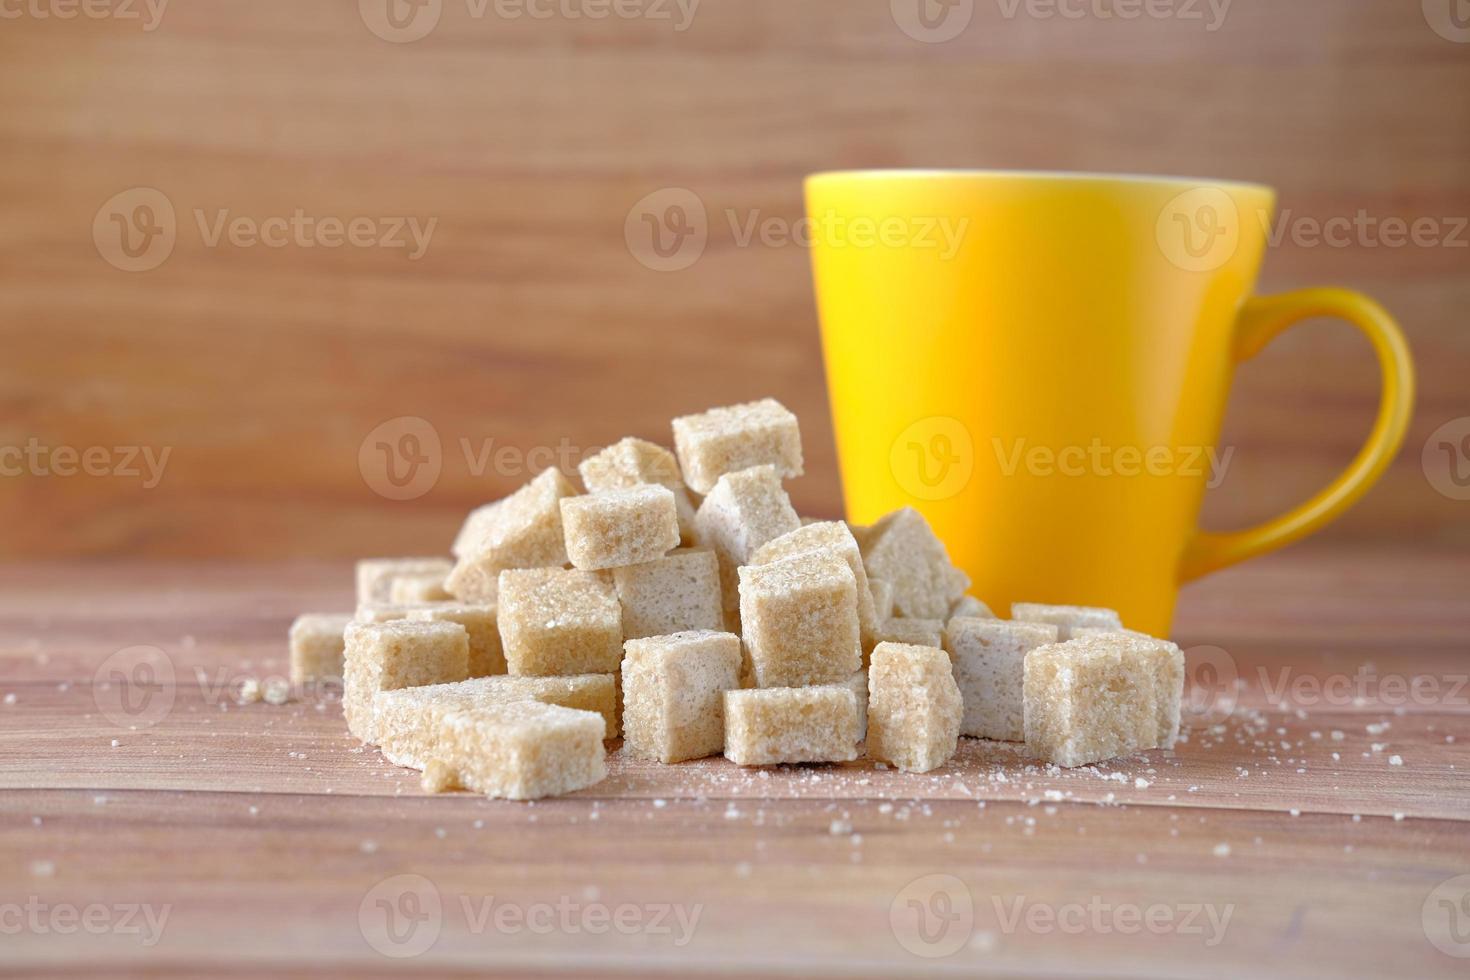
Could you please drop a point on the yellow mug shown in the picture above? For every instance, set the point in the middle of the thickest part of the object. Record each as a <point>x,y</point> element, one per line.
<point>1039,363</point>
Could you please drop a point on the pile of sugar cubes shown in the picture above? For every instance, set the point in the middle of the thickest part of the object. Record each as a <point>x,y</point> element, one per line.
<point>684,604</point>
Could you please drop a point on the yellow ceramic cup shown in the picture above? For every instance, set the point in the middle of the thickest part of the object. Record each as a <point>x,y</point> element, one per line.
<point>1039,363</point>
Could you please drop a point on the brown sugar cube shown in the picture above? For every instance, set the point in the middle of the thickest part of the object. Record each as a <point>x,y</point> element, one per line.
<point>317,647</point>
<point>914,632</point>
<point>631,462</point>
<point>678,592</point>
<point>914,707</point>
<point>989,657</point>
<point>375,575</point>
<point>486,655</point>
<point>619,527</point>
<point>1100,697</point>
<point>745,510</point>
<point>408,589</point>
<point>902,550</point>
<point>1170,677</point>
<point>725,440</point>
<point>800,620</point>
<point>1066,618</point>
<point>556,621</point>
<point>404,740</point>
<point>826,537</point>
<point>674,693</point>
<point>523,531</point>
<point>774,725</point>
<point>522,750</point>
<point>387,656</point>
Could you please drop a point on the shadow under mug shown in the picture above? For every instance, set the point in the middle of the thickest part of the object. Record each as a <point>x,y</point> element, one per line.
<point>1039,363</point>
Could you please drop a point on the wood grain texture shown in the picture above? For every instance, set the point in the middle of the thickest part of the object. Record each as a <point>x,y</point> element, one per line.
<point>266,836</point>
<point>528,321</point>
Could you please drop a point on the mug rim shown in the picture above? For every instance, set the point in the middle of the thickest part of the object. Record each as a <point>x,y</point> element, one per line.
<point>1058,176</point>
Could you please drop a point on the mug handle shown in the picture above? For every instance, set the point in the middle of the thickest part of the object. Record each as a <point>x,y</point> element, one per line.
<point>1261,319</point>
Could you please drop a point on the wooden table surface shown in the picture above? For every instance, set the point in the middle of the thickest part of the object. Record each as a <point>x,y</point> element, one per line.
<point>1313,822</point>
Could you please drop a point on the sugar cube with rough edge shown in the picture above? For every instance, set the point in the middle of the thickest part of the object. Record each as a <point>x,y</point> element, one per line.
<point>418,588</point>
<point>317,646</point>
<point>1066,618</point>
<point>968,607</point>
<point>486,655</point>
<point>678,592</point>
<point>631,462</point>
<point>902,549</point>
<point>989,657</point>
<point>375,575</point>
<point>524,531</point>
<point>1100,697</point>
<point>620,527</point>
<point>403,739</point>
<point>828,537</point>
<point>476,525</point>
<point>744,511</point>
<point>799,616</point>
<point>725,440</point>
<point>915,632</point>
<point>773,725</point>
<point>914,707</point>
<point>519,751</point>
<point>882,591</point>
<point>398,653</point>
<point>674,693</point>
<point>1170,677</point>
<point>557,621</point>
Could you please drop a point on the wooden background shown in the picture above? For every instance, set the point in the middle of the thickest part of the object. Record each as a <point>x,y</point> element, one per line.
<point>262,370</point>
